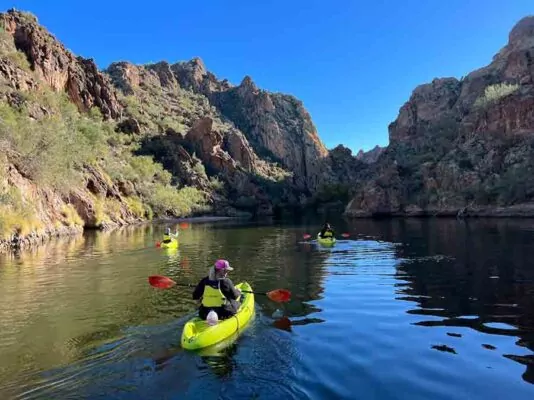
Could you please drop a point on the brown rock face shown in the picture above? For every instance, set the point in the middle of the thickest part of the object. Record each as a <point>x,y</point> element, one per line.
<point>370,156</point>
<point>125,76</point>
<point>59,68</point>
<point>277,126</point>
<point>460,145</point>
<point>193,75</point>
<point>207,143</point>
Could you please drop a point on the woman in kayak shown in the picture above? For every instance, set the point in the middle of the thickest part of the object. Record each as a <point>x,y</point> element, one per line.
<point>327,231</point>
<point>217,292</point>
<point>168,236</point>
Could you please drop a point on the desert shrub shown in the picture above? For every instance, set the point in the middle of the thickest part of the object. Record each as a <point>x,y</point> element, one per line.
<point>72,218</point>
<point>216,184</point>
<point>52,150</point>
<point>493,93</point>
<point>182,202</point>
<point>199,168</point>
<point>136,206</point>
<point>16,215</point>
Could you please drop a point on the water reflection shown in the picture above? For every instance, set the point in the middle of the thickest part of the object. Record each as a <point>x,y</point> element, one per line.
<point>467,274</point>
<point>446,305</point>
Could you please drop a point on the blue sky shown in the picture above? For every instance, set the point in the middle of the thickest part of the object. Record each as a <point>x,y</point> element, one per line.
<point>352,63</point>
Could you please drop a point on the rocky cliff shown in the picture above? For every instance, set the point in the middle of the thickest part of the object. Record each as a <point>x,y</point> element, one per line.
<point>460,146</point>
<point>370,156</point>
<point>89,148</point>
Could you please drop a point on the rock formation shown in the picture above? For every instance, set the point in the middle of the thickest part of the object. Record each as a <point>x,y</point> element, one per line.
<point>460,146</point>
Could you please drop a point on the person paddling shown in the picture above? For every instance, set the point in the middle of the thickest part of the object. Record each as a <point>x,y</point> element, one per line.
<point>327,231</point>
<point>217,292</point>
<point>168,236</point>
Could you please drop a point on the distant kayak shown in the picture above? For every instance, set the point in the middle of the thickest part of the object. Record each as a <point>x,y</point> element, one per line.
<point>172,244</point>
<point>328,241</point>
<point>197,334</point>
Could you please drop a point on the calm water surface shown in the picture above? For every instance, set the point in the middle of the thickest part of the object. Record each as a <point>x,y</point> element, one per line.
<point>404,309</point>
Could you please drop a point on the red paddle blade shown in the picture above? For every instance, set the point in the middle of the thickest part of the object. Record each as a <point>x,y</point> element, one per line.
<point>345,235</point>
<point>306,236</point>
<point>158,244</point>
<point>279,295</point>
<point>161,282</point>
<point>184,225</point>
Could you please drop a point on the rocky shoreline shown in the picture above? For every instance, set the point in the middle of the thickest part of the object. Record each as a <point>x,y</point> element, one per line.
<point>515,211</point>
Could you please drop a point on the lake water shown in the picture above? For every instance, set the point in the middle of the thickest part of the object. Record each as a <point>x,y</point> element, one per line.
<point>403,309</point>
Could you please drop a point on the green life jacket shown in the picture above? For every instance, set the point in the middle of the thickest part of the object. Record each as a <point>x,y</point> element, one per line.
<point>212,298</point>
<point>328,234</point>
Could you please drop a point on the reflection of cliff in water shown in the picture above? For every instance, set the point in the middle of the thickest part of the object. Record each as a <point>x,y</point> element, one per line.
<point>473,273</point>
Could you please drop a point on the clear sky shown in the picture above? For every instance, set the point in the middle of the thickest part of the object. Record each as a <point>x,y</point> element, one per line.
<point>352,63</point>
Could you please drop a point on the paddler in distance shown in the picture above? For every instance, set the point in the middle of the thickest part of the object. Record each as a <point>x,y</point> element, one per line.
<point>217,293</point>
<point>327,231</point>
<point>168,236</point>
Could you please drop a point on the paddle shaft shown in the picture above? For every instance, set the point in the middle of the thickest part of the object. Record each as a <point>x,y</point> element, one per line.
<point>242,291</point>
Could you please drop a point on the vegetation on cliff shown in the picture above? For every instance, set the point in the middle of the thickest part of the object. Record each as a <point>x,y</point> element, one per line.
<point>48,143</point>
<point>460,146</point>
<point>89,148</point>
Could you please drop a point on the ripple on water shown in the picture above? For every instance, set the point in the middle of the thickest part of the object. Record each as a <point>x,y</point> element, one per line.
<point>367,320</point>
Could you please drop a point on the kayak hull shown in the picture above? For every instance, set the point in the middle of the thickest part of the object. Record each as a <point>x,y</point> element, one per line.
<point>326,241</point>
<point>197,334</point>
<point>173,244</point>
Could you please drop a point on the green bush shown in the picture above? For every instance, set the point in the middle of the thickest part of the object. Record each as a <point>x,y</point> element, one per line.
<point>182,202</point>
<point>199,168</point>
<point>16,215</point>
<point>494,93</point>
<point>136,206</point>
<point>72,218</point>
<point>54,149</point>
<point>216,184</point>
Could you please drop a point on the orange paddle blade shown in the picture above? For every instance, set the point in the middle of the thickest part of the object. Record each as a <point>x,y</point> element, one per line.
<point>184,225</point>
<point>279,295</point>
<point>161,282</point>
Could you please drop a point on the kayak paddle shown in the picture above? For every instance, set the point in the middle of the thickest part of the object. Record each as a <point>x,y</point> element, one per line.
<point>306,236</point>
<point>164,282</point>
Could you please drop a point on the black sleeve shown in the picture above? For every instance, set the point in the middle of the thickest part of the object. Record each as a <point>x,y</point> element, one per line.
<point>199,290</point>
<point>229,290</point>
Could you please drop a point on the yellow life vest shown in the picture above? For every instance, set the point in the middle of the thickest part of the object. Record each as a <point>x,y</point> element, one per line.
<point>213,297</point>
<point>166,238</point>
<point>327,234</point>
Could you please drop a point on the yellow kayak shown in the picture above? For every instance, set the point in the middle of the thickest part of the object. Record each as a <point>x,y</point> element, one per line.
<point>173,244</point>
<point>328,241</point>
<point>197,334</point>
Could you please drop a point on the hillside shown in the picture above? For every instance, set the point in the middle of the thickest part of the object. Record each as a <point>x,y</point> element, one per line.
<point>460,147</point>
<point>83,148</point>
<point>88,149</point>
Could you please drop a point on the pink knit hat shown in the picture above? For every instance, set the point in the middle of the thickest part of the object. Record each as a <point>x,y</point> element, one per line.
<point>223,265</point>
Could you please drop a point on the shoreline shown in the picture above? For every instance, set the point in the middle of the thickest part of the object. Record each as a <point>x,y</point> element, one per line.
<point>33,240</point>
<point>515,211</point>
